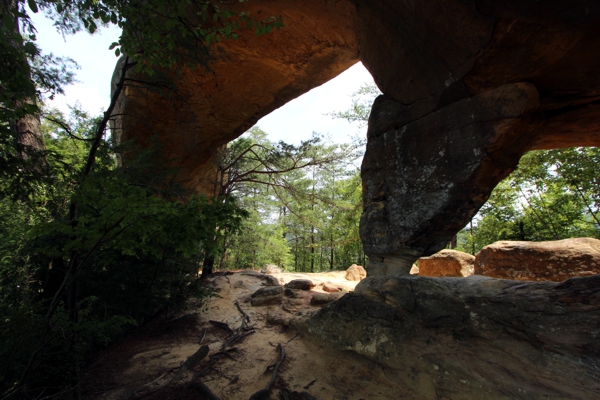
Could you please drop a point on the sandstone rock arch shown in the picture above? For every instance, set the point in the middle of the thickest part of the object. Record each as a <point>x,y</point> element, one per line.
<point>469,86</point>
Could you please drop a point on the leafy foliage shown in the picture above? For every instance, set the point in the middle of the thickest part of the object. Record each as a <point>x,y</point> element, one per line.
<point>552,195</point>
<point>304,203</point>
<point>91,248</point>
<point>157,33</point>
<point>135,254</point>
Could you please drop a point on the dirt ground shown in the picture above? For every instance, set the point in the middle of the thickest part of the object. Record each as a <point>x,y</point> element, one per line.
<point>155,362</point>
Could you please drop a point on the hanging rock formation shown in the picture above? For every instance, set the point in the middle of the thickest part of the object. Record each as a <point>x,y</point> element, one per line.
<point>469,86</point>
<point>191,113</point>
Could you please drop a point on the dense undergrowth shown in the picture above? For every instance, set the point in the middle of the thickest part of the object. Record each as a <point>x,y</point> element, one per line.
<point>68,288</point>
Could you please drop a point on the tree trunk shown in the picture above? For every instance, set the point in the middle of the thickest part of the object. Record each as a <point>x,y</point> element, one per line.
<point>29,139</point>
<point>331,253</point>
<point>207,266</point>
<point>472,237</point>
<point>27,130</point>
<point>453,242</point>
<point>521,230</point>
<point>224,253</point>
<point>312,249</point>
<point>296,259</point>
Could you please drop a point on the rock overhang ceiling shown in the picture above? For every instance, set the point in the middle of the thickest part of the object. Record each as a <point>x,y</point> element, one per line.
<point>469,86</point>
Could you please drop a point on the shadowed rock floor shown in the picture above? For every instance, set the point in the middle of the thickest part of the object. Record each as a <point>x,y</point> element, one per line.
<point>473,337</point>
<point>400,337</point>
<point>144,365</point>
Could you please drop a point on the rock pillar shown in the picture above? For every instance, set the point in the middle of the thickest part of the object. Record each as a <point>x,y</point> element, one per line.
<point>426,174</point>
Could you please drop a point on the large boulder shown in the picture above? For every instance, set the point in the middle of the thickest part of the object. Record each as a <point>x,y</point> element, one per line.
<point>300,284</point>
<point>540,261</point>
<point>268,280</point>
<point>270,269</point>
<point>319,299</point>
<point>472,338</point>
<point>355,273</point>
<point>331,287</point>
<point>447,263</point>
<point>267,296</point>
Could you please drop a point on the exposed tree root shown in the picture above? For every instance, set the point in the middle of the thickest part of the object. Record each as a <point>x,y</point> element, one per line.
<point>190,363</point>
<point>202,388</point>
<point>264,393</point>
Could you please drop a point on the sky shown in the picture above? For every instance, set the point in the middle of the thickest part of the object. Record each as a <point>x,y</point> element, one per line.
<point>293,122</point>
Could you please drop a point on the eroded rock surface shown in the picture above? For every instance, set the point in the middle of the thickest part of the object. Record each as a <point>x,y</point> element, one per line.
<point>446,163</point>
<point>324,298</point>
<point>472,337</point>
<point>301,284</point>
<point>447,263</point>
<point>540,261</point>
<point>267,296</point>
<point>468,87</point>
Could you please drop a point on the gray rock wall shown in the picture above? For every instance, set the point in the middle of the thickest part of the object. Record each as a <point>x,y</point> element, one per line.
<point>472,338</point>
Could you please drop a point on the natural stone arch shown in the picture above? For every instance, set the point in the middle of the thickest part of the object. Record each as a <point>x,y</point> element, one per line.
<point>248,78</point>
<point>469,86</point>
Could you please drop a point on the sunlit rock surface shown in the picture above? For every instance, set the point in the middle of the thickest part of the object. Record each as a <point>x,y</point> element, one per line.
<point>540,261</point>
<point>448,263</point>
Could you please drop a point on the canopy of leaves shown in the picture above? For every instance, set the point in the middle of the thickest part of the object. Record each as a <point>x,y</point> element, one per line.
<point>552,195</point>
<point>305,203</point>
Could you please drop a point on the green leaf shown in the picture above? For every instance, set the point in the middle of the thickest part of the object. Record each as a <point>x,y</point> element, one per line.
<point>9,23</point>
<point>117,52</point>
<point>32,5</point>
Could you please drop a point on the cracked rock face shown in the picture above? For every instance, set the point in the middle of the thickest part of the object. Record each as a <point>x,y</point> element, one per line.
<point>468,87</point>
<point>445,163</point>
<point>473,337</point>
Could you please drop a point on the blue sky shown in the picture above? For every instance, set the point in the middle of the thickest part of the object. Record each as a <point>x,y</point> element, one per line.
<point>293,122</point>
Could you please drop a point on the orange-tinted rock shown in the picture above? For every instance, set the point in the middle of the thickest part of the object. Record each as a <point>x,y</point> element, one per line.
<point>447,263</point>
<point>331,288</point>
<point>355,273</point>
<point>540,261</point>
<point>469,87</point>
<point>248,78</point>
